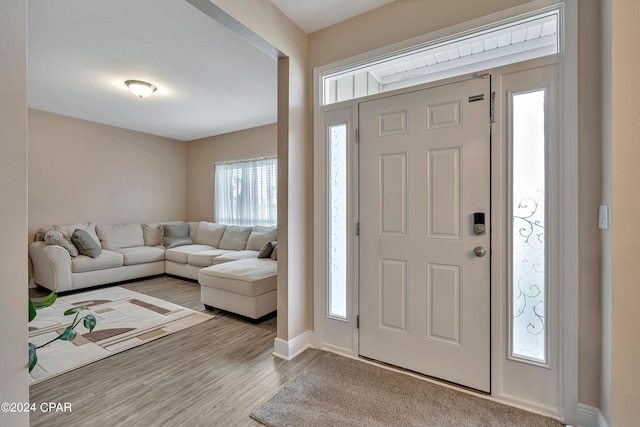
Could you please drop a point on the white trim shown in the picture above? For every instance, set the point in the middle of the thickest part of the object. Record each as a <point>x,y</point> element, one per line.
<point>568,220</point>
<point>589,416</point>
<point>289,350</point>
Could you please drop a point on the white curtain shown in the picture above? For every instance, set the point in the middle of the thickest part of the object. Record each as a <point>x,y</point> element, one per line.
<point>246,192</point>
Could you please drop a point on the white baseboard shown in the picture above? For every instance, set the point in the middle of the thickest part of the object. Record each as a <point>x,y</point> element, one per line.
<point>589,416</point>
<point>288,350</point>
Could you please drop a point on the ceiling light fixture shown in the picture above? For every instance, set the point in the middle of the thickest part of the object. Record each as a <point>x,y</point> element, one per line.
<point>139,88</point>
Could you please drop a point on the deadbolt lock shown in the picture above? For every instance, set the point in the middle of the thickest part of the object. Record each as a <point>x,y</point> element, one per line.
<point>479,227</point>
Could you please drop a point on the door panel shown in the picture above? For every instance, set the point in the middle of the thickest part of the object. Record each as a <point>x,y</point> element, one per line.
<point>424,172</point>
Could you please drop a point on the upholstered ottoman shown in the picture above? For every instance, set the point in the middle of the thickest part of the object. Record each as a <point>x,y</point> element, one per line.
<point>246,287</point>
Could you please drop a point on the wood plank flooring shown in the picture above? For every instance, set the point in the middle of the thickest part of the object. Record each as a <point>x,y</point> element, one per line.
<point>212,374</point>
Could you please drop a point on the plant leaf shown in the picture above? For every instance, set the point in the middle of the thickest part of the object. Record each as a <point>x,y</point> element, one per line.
<point>46,301</point>
<point>33,356</point>
<point>71,311</point>
<point>89,322</point>
<point>32,311</point>
<point>68,334</point>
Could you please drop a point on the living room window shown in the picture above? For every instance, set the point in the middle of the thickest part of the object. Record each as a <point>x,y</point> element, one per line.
<point>246,192</point>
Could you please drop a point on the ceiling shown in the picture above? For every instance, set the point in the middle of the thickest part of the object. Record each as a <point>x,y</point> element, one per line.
<point>209,80</point>
<point>313,15</point>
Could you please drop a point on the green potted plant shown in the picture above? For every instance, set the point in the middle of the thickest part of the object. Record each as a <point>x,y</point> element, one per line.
<point>68,334</point>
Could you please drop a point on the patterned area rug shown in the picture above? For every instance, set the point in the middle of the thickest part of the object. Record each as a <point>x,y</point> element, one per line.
<point>125,319</point>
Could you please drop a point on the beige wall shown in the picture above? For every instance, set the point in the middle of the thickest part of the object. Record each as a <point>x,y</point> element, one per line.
<point>13,208</point>
<point>625,213</point>
<point>405,19</point>
<point>203,153</point>
<point>84,171</point>
<point>395,22</point>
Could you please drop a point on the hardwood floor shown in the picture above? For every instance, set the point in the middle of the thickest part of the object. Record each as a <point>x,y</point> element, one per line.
<point>212,374</point>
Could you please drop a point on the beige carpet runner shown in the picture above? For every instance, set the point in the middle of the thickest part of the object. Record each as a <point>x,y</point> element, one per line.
<point>125,319</point>
<point>338,391</point>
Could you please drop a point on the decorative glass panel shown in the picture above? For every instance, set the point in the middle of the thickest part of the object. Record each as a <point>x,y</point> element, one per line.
<point>528,233</point>
<point>338,220</point>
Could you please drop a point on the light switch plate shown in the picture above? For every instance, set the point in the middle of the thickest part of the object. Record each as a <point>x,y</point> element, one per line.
<point>603,217</point>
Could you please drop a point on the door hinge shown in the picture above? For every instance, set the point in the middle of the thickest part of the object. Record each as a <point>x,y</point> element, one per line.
<point>358,321</point>
<point>357,136</point>
<point>492,109</point>
<point>357,228</point>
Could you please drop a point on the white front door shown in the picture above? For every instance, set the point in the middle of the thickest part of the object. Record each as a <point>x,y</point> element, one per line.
<point>424,282</point>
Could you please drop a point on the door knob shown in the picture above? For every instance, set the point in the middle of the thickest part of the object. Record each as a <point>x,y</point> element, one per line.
<point>480,251</point>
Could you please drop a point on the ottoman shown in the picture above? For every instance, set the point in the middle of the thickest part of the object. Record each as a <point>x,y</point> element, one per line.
<point>246,287</point>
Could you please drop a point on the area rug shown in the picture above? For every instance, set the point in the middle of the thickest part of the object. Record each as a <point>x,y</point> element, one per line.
<point>338,391</point>
<point>125,319</point>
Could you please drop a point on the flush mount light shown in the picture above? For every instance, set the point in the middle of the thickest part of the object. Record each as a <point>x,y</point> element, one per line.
<point>140,88</point>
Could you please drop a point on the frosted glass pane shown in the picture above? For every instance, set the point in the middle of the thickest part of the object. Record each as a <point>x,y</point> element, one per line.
<point>338,221</point>
<point>528,256</point>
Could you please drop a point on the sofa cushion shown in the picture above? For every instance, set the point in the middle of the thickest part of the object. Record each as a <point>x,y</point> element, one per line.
<point>119,236</point>
<point>235,238</point>
<point>205,258</point>
<point>181,253</point>
<point>141,255</point>
<point>261,235</point>
<point>209,233</point>
<point>235,256</point>
<point>89,227</point>
<point>85,243</point>
<point>107,259</point>
<point>250,277</point>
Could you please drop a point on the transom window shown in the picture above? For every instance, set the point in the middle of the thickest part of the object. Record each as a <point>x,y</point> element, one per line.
<point>246,192</point>
<point>507,42</point>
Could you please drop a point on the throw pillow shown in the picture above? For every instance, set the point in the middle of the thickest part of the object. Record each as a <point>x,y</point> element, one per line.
<point>266,250</point>
<point>176,230</point>
<point>152,234</point>
<point>85,243</point>
<point>274,252</point>
<point>57,238</point>
<point>172,242</point>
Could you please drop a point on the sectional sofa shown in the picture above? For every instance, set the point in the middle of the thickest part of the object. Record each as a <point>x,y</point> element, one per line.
<point>235,278</point>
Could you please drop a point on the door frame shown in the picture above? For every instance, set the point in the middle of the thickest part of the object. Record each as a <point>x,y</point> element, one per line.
<point>567,216</point>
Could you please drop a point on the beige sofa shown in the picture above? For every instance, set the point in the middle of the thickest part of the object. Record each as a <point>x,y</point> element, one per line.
<point>131,251</point>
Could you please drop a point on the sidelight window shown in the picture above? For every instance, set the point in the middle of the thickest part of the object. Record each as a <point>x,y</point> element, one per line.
<point>528,212</point>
